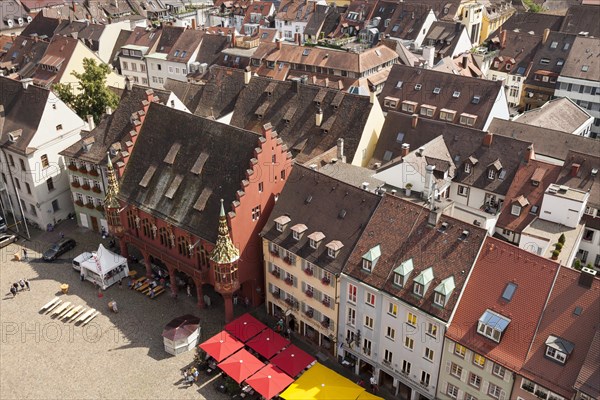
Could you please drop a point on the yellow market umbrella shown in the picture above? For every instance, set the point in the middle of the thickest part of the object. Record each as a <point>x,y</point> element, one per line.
<point>321,383</point>
<point>368,396</point>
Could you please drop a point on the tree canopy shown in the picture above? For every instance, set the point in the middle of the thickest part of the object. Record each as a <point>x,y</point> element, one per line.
<point>92,95</point>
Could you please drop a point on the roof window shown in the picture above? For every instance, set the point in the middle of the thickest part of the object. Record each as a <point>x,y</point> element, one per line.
<point>492,325</point>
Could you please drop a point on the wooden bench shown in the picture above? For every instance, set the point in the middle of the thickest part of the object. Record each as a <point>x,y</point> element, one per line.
<point>144,286</point>
<point>49,304</point>
<point>158,292</point>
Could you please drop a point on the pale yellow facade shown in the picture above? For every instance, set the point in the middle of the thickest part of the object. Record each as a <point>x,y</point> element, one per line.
<point>75,64</point>
<point>370,135</point>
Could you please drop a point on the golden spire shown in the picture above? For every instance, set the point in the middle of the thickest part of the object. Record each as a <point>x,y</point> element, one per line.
<point>110,201</point>
<point>224,251</point>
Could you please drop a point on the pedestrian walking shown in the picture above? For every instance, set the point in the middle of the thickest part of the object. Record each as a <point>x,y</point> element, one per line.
<point>121,283</point>
<point>189,290</point>
<point>25,258</point>
<point>22,284</point>
<point>207,300</point>
<point>373,383</point>
<point>235,299</point>
<point>16,286</point>
<point>13,291</point>
<point>62,235</point>
<point>27,284</point>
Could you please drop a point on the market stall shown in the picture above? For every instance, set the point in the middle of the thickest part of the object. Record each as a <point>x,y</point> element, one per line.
<point>181,334</point>
<point>321,383</point>
<point>104,268</point>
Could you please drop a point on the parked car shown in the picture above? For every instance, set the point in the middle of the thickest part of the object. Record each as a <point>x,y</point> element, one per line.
<point>59,248</point>
<point>5,240</point>
<point>3,227</point>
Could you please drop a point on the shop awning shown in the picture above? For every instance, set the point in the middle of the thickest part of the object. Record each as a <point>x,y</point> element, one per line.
<point>241,365</point>
<point>321,383</point>
<point>267,343</point>
<point>221,346</point>
<point>292,361</point>
<point>245,327</point>
<point>269,381</point>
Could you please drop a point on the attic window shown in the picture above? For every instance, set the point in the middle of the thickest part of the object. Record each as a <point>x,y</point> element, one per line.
<point>427,110</point>
<point>437,90</point>
<point>534,210</point>
<point>391,102</point>
<point>467,168</point>
<point>202,199</point>
<point>491,174</point>
<point>170,157</point>
<point>476,99</point>
<point>554,45</point>
<point>402,273</point>
<point>456,94</point>
<point>298,230</point>
<point>333,248</point>
<point>585,68</point>
<point>315,239</point>
<point>464,235</point>
<point>183,54</point>
<point>174,186</point>
<point>369,259</point>
<point>558,349</point>
<point>443,291</point>
<point>418,86</point>
<point>467,119</point>
<point>281,222</point>
<point>409,106</point>
<point>306,52</point>
<point>443,228</point>
<point>447,115</point>
<point>515,210</point>
<point>492,325</point>
<point>199,164</point>
<point>509,291</point>
<point>399,85</point>
<point>147,176</point>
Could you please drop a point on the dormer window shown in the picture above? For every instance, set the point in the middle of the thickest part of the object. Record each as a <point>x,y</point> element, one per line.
<point>515,210</point>
<point>447,115</point>
<point>315,239</point>
<point>491,174</point>
<point>281,222</point>
<point>443,291</point>
<point>402,273</point>
<point>468,119</point>
<point>418,289</point>
<point>422,281</point>
<point>369,259</point>
<point>391,102</point>
<point>298,230</point>
<point>439,299</point>
<point>427,110</point>
<point>409,106</point>
<point>467,168</point>
<point>558,349</point>
<point>492,325</point>
<point>333,248</point>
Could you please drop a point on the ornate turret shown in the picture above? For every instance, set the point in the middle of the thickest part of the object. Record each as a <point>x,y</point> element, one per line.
<point>223,258</point>
<point>111,203</point>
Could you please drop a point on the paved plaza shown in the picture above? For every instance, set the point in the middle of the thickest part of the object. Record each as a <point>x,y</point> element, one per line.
<point>116,356</point>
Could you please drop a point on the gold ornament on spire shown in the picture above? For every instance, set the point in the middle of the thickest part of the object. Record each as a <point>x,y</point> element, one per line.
<point>110,201</point>
<point>224,251</point>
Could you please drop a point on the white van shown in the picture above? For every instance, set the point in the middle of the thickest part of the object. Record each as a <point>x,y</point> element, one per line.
<point>81,258</point>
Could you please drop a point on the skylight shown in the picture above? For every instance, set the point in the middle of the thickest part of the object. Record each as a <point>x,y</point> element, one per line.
<point>418,86</point>
<point>492,325</point>
<point>476,99</point>
<point>509,291</point>
<point>437,90</point>
<point>305,52</point>
<point>399,84</point>
<point>456,94</point>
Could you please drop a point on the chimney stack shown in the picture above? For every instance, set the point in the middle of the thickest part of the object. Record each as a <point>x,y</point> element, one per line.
<point>546,34</point>
<point>247,75</point>
<point>319,117</point>
<point>194,23</point>
<point>530,153</point>
<point>429,55</point>
<point>575,169</point>
<point>25,82</point>
<point>586,279</point>
<point>128,84</point>
<point>405,149</point>
<point>372,96</point>
<point>415,120</point>
<point>465,61</point>
<point>487,139</point>
<point>428,188</point>
<point>340,150</point>
<point>278,41</point>
<point>91,124</point>
<point>503,38</point>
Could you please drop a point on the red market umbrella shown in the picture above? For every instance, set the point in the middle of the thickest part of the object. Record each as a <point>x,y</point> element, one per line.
<point>269,381</point>
<point>267,343</point>
<point>221,346</point>
<point>292,360</point>
<point>245,327</point>
<point>241,365</point>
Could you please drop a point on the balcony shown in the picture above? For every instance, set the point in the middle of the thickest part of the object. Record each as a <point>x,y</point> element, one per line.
<point>309,293</point>
<point>289,281</point>
<point>326,281</point>
<point>309,313</point>
<point>326,302</point>
<point>309,271</point>
<point>275,273</point>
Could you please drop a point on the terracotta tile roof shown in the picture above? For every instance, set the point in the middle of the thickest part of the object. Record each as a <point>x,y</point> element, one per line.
<point>225,146</point>
<point>324,20</point>
<point>413,239</point>
<point>301,134</point>
<point>60,48</point>
<point>522,186</point>
<point>459,93</point>
<point>516,52</point>
<point>584,178</point>
<point>444,36</point>
<point>588,380</point>
<point>185,46</point>
<point>317,201</point>
<point>560,319</point>
<point>533,276</point>
<point>24,55</point>
<point>143,37</point>
<point>291,10</point>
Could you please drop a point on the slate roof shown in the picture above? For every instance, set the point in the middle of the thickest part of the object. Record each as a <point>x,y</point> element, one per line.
<point>533,276</point>
<point>142,37</point>
<point>210,48</point>
<point>406,20</point>
<point>532,22</point>
<point>564,42</point>
<point>24,55</point>
<point>583,61</point>
<point>41,25</point>
<point>585,180</point>
<point>324,20</point>
<point>344,115</point>
<point>81,30</point>
<point>168,38</point>
<point>547,142</point>
<point>113,128</point>
<point>582,18</point>
<point>322,213</point>
<point>120,42</point>
<point>522,186</point>
<point>517,52</point>
<point>23,109</point>
<point>412,238</point>
<point>559,320</point>
<point>588,380</point>
<point>11,10</point>
<point>467,89</point>
<point>561,114</point>
<point>229,152</point>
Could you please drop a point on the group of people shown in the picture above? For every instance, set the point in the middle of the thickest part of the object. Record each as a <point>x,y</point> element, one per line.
<point>190,375</point>
<point>152,284</point>
<point>22,284</point>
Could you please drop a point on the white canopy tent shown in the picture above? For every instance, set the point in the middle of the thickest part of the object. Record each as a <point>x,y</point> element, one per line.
<point>104,267</point>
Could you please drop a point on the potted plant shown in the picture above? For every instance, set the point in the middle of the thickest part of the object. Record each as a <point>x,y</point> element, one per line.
<point>75,184</point>
<point>562,239</point>
<point>100,208</point>
<point>309,293</point>
<point>540,394</point>
<point>288,260</point>
<point>289,301</point>
<point>72,167</point>
<point>83,169</point>
<point>408,188</point>
<point>289,281</point>
<point>79,203</point>
<point>555,254</point>
<point>308,271</point>
<point>96,189</point>
<point>325,323</point>
<point>577,264</point>
<point>325,281</point>
<point>326,302</point>
<point>309,313</point>
<point>91,206</point>
<point>85,186</point>
<point>93,172</point>
<point>276,295</point>
<point>275,273</point>
<point>528,387</point>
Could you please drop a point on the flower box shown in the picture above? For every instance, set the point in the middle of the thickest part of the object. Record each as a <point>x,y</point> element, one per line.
<point>326,281</point>
<point>100,208</point>
<point>91,206</point>
<point>94,172</point>
<point>276,295</point>
<point>309,293</point>
<point>72,167</point>
<point>289,302</point>
<point>275,273</point>
<point>309,313</point>
<point>325,323</point>
<point>83,170</point>
<point>326,303</point>
<point>75,184</point>
<point>541,394</point>
<point>85,186</point>
<point>275,252</point>
<point>289,281</point>
<point>308,272</point>
<point>79,203</point>
<point>288,260</point>
<point>96,189</point>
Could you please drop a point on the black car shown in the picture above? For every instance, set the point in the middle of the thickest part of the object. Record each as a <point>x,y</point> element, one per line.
<point>59,248</point>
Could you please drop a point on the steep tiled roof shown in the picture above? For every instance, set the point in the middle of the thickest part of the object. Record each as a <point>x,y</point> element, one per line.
<point>561,320</point>
<point>317,201</point>
<point>120,42</point>
<point>515,51</point>
<point>559,114</point>
<point>583,179</point>
<point>583,61</point>
<point>143,37</point>
<point>588,380</point>
<point>463,64</point>
<point>324,20</point>
<point>533,276</point>
<point>344,115</point>
<point>41,25</point>
<point>300,11</point>
<point>444,36</point>
<point>458,93</point>
<point>229,152</point>
<point>533,22</point>
<point>80,30</point>
<point>210,48</point>
<point>547,142</point>
<point>582,18</point>
<point>406,20</point>
<point>401,230</point>
<point>24,55</point>
<point>23,109</point>
<point>59,52</point>
<point>185,46</point>
<point>168,38</point>
<point>545,62</point>
<point>522,185</point>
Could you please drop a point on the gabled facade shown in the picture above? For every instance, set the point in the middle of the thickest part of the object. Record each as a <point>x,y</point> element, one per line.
<point>140,43</point>
<point>445,39</point>
<point>398,292</point>
<point>35,126</point>
<point>292,17</point>
<point>156,61</point>
<point>311,232</point>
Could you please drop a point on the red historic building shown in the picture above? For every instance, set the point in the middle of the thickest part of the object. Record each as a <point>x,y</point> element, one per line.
<point>168,203</point>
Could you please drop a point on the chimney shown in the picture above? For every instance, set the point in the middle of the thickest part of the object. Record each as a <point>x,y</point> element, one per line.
<point>405,149</point>
<point>586,279</point>
<point>194,23</point>
<point>415,120</point>
<point>365,186</point>
<point>91,124</point>
<point>372,96</point>
<point>530,153</point>
<point>247,75</point>
<point>298,39</point>
<point>434,216</point>
<point>575,169</point>
<point>319,117</point>
<point>487,139</point>
<point>128,84</point>
<point>546,34</point>
<point>503,38</point>
<point>465,61</point>
<point>428,188</point>
<point>25,82</point>
<point>278,41</point>
<point>429,55</point>
<point>340,150</point>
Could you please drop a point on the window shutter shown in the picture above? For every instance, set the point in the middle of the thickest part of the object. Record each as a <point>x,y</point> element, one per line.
<point>303,286</point>
<point>484,386</point>
<point>489,365</point>
<point>450,346</point>
<point>502,395</point>
<point>270,266</point>
<point>464,376</point>
<point>507,375</point>
<point>448,367</point>
<point>460,394</point>
<point>468,356</point>
<point>295,281</point>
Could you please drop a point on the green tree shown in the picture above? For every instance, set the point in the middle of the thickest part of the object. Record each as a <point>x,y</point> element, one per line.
<point>92,95</point>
